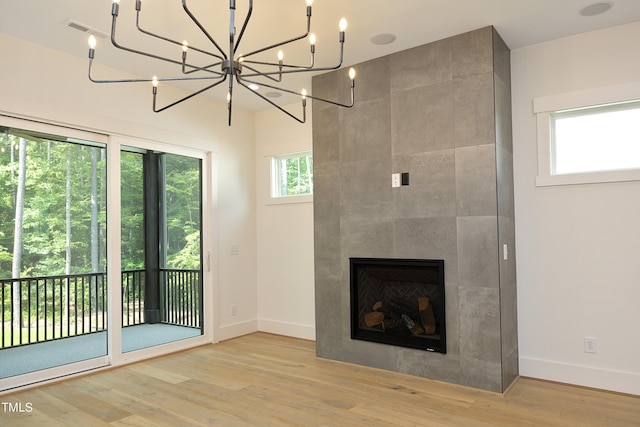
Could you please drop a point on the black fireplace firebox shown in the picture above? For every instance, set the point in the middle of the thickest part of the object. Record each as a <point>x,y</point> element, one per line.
<point>399,302</point>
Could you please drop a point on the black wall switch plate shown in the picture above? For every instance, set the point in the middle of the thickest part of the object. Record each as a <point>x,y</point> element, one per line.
<point>405,178</point>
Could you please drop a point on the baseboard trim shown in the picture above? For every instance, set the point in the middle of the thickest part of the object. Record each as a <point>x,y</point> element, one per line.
<point>236,330</point>
<point>288,329</point>
<point>580,375</point>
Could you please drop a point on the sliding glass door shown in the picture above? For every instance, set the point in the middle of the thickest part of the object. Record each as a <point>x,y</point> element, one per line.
<point>53,284</point>
<point>75,295</point>
<point>161,250</point>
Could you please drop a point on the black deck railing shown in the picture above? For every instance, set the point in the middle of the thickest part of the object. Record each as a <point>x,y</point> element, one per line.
<point>132,297</point>
<point>182,297</point>
<point>54,307</point>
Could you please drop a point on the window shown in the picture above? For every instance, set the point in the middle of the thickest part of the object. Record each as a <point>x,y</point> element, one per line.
<point>292,175</point>
<point>595,139</point>
<point>590,136</point>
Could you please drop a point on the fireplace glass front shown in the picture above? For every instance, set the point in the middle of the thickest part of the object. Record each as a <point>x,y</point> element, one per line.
<point>398,302</point>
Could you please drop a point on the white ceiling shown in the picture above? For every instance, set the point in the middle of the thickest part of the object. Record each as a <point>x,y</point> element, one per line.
<point>415,22</point>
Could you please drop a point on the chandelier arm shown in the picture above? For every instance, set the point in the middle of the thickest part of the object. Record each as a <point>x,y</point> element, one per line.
<point>273,64</point>
<point>204,31</point>
<point>304,104</point>
<point>149,33</point>
<point>257,73</point>
<point>244,26</point>
<point>297,71</point>
<point>115,43</point>
<point>89,74</point>
<point>206,68</point>
<point>339,104</point>
<point>158,110</point>
<point>142,80</point>
<point>301,70</point>
<point>282,43</point>
<point>328,101</point>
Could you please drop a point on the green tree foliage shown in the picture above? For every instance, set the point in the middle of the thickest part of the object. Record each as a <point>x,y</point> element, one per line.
<point>182,201</point>
<point>44,242</point>
<point>296,175</point>
<point>44,231</point>
<point>132,208</point>
<point>182,205</point>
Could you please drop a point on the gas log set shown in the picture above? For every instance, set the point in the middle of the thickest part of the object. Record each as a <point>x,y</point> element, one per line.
<point>399,317</point>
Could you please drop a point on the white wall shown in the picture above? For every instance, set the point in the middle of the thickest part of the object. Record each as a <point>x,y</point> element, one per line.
<point>50,86</point>
<point>286,302</point>
<point>578,247</point>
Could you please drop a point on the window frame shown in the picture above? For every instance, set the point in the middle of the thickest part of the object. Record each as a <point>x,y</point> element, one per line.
<point>544,107</point>
<point>275,179</point>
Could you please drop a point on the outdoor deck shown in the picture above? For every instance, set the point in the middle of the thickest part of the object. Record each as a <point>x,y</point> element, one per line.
<point>29,358</point>
<point>63,319</point>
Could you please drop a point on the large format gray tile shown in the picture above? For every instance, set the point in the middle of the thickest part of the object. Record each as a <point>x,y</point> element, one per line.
<point>365,133</point>
<point>473,47</point>
<point>426,238</point>
<point>473,106</point>
<point>432,185</point>
<point>504,172</point>
<point>366,190</point>
<point>367,239</point>
<point>480,323</point>
<point>422,119</point>
<point>373,79</point>
<point>478,252</point>
<point>421,66</point>
<point>476,180</point>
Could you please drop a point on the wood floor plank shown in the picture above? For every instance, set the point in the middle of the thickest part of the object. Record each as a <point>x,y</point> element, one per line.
<point>268,380</point>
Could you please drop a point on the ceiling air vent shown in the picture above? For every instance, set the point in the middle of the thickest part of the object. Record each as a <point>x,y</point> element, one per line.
<point>75,25</point>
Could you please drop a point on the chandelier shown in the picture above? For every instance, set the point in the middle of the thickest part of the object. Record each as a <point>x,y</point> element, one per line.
<point>227,65</point>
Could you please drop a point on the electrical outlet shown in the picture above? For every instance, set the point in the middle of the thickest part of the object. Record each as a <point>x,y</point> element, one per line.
<point>395,180</point>
<point>234,309</point>
<point>590,345</point>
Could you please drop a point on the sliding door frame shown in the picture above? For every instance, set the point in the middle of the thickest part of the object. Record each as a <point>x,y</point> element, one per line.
<point>210,287</point>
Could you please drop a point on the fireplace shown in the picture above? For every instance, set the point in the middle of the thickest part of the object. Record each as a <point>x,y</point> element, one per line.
<point>398,302</point>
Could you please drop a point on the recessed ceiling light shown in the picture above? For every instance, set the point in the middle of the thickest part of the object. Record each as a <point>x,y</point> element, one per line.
<point>254,86</point>
<point>596,8</point>
<point>383,38</point>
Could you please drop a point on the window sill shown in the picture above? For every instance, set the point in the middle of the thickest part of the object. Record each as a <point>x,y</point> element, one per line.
<point>588,178</point>
<point>289,200</point>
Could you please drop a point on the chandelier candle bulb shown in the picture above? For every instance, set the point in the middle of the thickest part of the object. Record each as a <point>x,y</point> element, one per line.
<point>343,25</point>
<point>312,42</point>
<point>92,48</point>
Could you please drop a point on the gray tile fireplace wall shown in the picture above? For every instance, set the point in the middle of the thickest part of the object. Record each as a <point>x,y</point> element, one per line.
<point>442,113</point>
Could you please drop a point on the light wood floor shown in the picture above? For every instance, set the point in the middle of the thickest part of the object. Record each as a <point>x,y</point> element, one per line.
<point>268,380</point>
